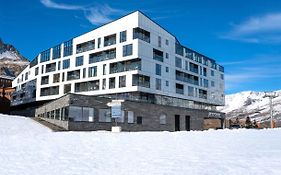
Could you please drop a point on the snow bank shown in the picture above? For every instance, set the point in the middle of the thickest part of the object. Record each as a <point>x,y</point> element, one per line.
<point>27,148</point>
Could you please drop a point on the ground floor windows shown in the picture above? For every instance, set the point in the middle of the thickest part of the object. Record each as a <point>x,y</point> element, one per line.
<point>130,117</point>
<point>162,119</point>
<point>77,113</point>
<point>104,115</point>
<point>139,120</point>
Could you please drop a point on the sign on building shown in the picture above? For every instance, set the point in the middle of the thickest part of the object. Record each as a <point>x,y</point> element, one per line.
<point>116,111</point>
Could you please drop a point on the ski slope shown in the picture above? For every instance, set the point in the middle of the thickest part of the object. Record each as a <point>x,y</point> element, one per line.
<point>27,148</point>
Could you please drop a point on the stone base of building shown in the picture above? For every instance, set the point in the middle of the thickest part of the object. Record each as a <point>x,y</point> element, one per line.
<point>90,113</point>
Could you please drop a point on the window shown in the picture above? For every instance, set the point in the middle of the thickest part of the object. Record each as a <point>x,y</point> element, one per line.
<point>178,62</point>
<point>87,86</point>
<point>179,88</point>
<point>127,50</point>
<point>212,83</point>
<point>56,52</point>
<point>102,56</point>
<point>158,84</point>
<point>190,91</point>
<point>112,83</point>
<point>84,72</point>
<point>103,83</point>
<point>75,113</point>
<point>56,78</point>
<point>104,115</point>
<point>194,68</point>
<point>212,73</point>
<point>87,114</point>
<point>86,46</point>
<point>167,42</point>
<point>167,69</point>
<point>141,80</point>
<point>167,55</point>
<point>54,90</point>
<point>124,66</point>
<point>205,72</point>
<point>179,48</point>
<point>139,33</point>
<point>157,55</point>
<point>158,69</point>
<point>92,71</point>
<point>222,76</point>
<point>167,83</point>
<point>73,75</point>
<point>139,120</point>
<point>67,88</point>
<point>206,83</point>
<point>42,69</point>
<point>99,42</point>
<point>186,65</point>
<point>202,94</point>
<point>122,81</point>
<point>159,41</point>
<point>26,76</point>
<point>59,65</point>
<point>79,61</point>
<point>123,36</point>
<point>109,40</point>
<point>162,119</point>
<point>62,77</point>
<point>50,67</point>
<point>36,71</point>
<point>45,80</point>
<point>45,56</point>
<point>104,69</point>
<point>66,64</point>
<point>130,117</point>
<point>67,48</point>
<point>188,78</point>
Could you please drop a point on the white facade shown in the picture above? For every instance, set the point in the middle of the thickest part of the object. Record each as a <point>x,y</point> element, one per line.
<point>160,39</point>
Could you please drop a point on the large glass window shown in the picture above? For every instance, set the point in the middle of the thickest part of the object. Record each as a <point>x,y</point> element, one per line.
<point>50,67</point>
<point>110,40</point>
<point>92,71</point>
<point>123,36</point>
<point>54,90</point>
<point>179,88</point>
<point>130,117</point>
<point>202,94</point>
<point>158,55</point>
<point>86,46</point>
<point>158,69</point>
<point>141,80</point>
<point>101,56</point>
<point>190,91</point>
<point>206,83</point>
<point>104,115</point>
<point>67,48</point>
<point>79,61</point>
<point>45,80</point>
<point>139,33</point>
<point>56,78</point>
<point>67,88</point>
<point>87,86</point>
<point>122,81</point>
<point>75,113</point>
<point>65,64</point>
<point>162,119</point>
<point>73,75</point>
<point>112,83</point>
<point>178,62</point>
<point>56,52</point>
<point>158,84</point>
<point>193,68</point>
<point>123,66</point>
<point>45,56</point>
<point>188,78</point>
<point>127,50</point>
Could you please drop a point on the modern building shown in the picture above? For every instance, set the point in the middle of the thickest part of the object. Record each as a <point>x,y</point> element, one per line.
<point>132,58</point>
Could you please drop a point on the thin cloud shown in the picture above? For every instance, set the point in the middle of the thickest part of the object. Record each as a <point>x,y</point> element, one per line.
<point>96,15</point>
<point>262,29</point>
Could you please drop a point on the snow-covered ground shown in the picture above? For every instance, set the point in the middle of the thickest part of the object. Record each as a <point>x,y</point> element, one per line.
<point>27,148</point>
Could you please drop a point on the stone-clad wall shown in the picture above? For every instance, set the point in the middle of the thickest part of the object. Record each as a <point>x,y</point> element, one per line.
<point>150,114</point>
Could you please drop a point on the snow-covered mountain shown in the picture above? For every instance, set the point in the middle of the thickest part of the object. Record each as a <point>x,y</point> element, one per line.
<point>11,61</point>
<point>252,104</point>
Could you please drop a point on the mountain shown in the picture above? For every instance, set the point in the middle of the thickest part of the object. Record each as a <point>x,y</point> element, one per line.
<point>252,104</point>
<point>11,61</point>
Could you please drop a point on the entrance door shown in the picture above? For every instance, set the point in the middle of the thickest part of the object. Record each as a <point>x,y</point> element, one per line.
<point>187,123</point>
<point>177,123</point>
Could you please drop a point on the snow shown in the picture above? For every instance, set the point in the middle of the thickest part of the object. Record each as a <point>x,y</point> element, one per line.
<point>28,148</point>
<point>237,104</point>
<point>10,55</point>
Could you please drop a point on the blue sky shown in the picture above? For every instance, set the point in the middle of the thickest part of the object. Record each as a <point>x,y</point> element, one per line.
<point>243,36</point>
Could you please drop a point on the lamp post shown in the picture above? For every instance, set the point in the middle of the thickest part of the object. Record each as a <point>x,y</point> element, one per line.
<point>271,95</point>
